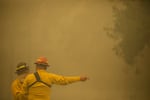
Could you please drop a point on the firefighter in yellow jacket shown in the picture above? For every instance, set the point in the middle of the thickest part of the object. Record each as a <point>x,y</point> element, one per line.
<point>37,86</point>
<point>21,70</point>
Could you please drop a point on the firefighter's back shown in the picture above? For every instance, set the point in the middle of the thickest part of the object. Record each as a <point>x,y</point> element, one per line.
<point>38,90</point>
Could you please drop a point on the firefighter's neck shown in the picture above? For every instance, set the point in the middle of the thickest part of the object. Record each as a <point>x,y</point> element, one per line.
<point>40,68</point>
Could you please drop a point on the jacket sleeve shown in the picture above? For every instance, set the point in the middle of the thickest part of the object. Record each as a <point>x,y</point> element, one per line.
<point>24,89</point>
<point>25,86</point>
<point>16,90</point>
<point>63,80</point>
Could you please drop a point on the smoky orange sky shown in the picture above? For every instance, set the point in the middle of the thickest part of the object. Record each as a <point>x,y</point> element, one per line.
<point>70,33</point>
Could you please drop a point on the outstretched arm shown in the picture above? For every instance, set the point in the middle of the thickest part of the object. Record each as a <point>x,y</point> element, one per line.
<point>63,80</point>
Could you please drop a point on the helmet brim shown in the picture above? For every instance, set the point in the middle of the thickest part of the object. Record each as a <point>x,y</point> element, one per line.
<point>45,64</point>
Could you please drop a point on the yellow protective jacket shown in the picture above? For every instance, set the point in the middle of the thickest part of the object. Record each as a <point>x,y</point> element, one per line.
<point>40,91</point>
<point>17,89</point>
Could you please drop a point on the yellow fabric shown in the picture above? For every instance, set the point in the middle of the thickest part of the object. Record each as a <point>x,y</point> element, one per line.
<point>17,89</point>
<point>40,91</point>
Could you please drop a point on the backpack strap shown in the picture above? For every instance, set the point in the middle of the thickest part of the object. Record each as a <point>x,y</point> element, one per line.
<point>38,79</point>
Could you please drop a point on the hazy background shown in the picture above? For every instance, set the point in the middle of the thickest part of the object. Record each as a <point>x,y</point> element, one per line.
<point>78,38</point>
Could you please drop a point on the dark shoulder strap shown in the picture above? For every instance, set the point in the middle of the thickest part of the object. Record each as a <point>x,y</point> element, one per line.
<point>36,74</point>
<point>45,83</point>
<point>38,79</point>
